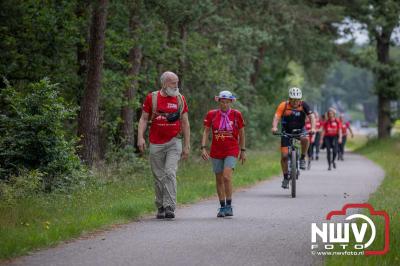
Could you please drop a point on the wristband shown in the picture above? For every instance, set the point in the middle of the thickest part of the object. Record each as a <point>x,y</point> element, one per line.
<point>203,147</point>
<point>242,149</point>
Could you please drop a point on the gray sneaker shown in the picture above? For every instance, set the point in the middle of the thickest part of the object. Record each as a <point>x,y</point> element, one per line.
<point>160,213</point>
<point>169,212</point>
<point>228,210</point>
<point>221,212</point>
<point>285,183</point>
<point>303,164</point>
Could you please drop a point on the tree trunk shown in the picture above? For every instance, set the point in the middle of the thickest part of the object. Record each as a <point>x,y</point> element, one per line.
<point>81,11</point>
<point>369,110</point>
<point>384,121</point>
<point>135,58</point>
<point>257,64</point>
<point>88,124</point>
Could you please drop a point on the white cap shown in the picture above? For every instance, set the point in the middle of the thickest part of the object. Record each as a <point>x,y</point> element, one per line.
<point>225,95</point>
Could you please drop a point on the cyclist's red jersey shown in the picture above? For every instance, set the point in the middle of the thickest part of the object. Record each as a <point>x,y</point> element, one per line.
<point>332,127</point>
<point>345,126</point>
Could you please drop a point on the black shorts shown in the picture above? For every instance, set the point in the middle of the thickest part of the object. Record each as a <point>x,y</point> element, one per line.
<point>285,141</point>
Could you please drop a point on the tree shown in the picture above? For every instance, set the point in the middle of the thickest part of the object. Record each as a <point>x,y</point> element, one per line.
<point>380,18</point>
<point>89,114</point>
<point>135,58</point>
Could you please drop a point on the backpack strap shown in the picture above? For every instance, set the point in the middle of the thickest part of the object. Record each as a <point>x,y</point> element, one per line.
<point>284,109</point>
<point>180,105</point>
<point>235,123</point>
<point>154,104</point>
<point>213,119</point>
<point>154,96</point>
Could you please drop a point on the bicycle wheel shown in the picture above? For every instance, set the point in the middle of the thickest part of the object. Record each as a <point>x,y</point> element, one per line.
<point>293,172</point>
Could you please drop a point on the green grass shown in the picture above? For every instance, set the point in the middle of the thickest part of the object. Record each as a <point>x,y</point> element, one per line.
<point>45,220</point>
<point>386,153</point>
<point>357,142</point>
<point>356,115</point>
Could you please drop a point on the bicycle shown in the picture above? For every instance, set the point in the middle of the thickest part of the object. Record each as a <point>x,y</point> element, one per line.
<point>293,152</point>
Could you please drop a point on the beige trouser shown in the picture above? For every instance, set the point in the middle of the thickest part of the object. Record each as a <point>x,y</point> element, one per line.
<point>164,164</point>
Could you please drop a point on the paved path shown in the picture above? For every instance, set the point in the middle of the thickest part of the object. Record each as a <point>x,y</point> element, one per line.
<point>269,227</point>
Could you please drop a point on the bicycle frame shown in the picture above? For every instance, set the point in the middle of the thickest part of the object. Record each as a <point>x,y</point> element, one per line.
<point>293,154</point>
<point>294,146</point>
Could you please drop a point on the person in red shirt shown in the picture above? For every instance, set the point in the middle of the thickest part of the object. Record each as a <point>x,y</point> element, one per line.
<point>345,127</point>
<point>331,136</point>
<point>322,121</point>
<point>311,140</point>
<point>167,112</point>
<point>228,143</point>
<point>314,146</point>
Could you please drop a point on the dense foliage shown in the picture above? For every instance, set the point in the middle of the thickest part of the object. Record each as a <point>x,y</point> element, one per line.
<point>33,137</point>
<point>257,49</point>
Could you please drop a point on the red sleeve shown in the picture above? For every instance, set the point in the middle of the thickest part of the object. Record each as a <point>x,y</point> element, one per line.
<point>325,125</point>
<point>347,124</point>
<point>240,120</point>
<point>208,119</point>
<point>185,106</point>
<point>339,124</point>
<point>147,104</point>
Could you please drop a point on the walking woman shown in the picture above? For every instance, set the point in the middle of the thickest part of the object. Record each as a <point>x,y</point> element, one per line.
<point>345,127</point>
<point>331,136</point>
<point>317,136</point>
<point>228,144</point>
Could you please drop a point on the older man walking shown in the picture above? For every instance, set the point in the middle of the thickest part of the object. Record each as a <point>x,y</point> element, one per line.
<point>166,111</point>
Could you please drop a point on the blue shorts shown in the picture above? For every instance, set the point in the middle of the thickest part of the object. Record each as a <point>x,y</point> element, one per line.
<point>220,164</point>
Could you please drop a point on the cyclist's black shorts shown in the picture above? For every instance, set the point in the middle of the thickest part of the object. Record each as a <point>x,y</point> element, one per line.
<point>285,142</point>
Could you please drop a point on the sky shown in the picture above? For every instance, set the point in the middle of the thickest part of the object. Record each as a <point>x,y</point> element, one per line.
<point>352,30</point>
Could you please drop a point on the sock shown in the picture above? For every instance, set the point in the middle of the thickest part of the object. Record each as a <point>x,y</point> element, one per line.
<point>286,176</point>
<point>222,202</point>
<point>229,202</point>
<point>302,157</point>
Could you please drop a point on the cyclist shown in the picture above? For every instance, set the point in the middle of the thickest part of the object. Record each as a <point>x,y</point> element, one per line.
<point>345,127</point>
<point>293,113</point>
<point>228,141</point>
<point>331,136</point>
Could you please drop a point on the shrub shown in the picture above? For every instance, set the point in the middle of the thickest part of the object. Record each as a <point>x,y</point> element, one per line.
<point>32,135</point>
<point>26,184</point>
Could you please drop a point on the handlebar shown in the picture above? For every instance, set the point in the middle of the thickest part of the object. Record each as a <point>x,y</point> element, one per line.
<point>292,135</point>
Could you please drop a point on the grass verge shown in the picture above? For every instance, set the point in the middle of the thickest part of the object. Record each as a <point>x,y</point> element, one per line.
<point>357,142</point>
<point>45,220</point>
<point>386,153</point>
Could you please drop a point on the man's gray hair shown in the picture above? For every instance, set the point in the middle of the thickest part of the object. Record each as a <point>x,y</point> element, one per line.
<point>166,75</point>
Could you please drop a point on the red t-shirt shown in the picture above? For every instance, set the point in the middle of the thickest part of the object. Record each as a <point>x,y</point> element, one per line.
<point>322,123</point>
<point>318,124</point>
<point>345,126</point>
<point>162,131</point>
<point>332,127</point>
<point>224,143</point>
